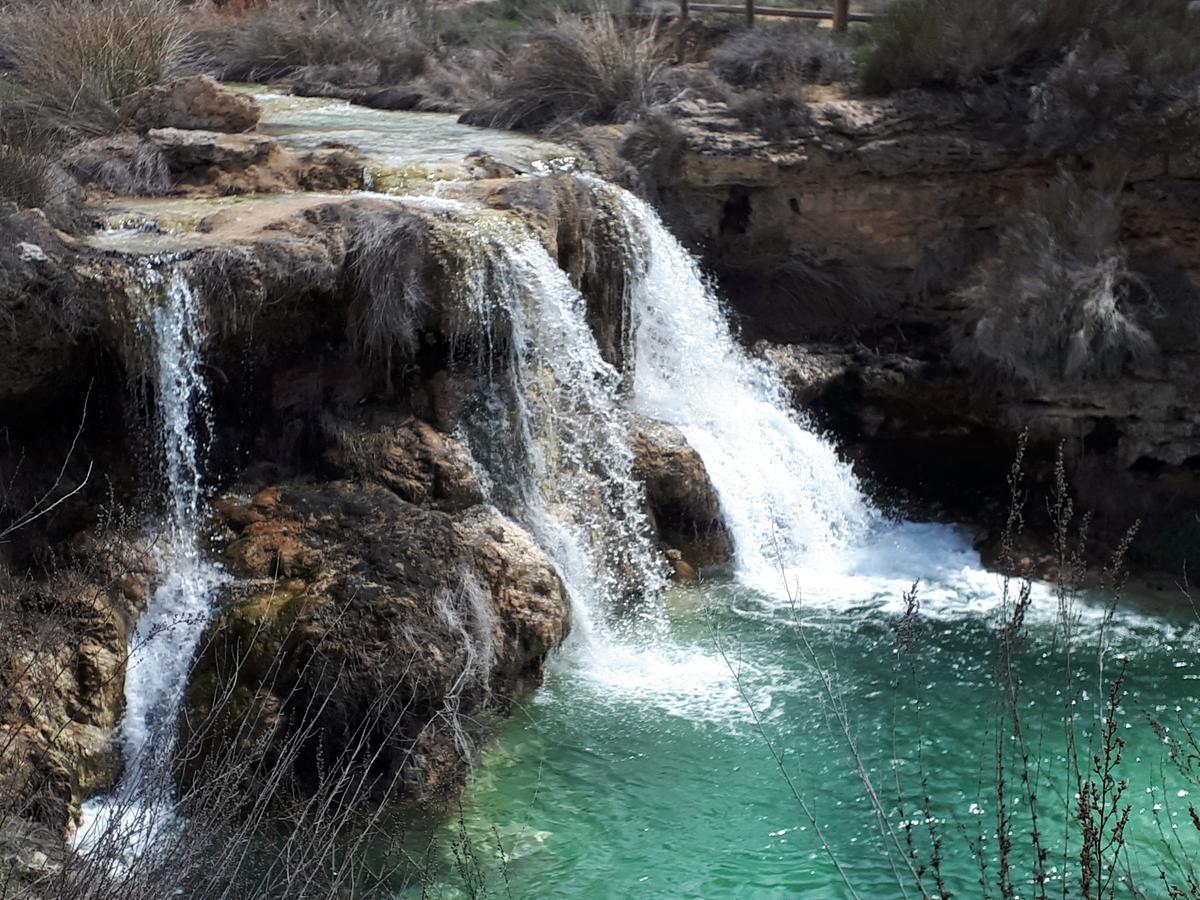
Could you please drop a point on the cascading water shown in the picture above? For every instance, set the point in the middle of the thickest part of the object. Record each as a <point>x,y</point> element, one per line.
<point>162,646</point>
<point>546,426</point>
<point>801,526</point>
<point>784,493</point>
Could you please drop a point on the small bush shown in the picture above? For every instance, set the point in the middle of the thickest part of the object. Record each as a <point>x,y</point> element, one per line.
<point>584,70</point>
<point>1121,70</point>
<point>392,292</point>
<point>381,40</point>
<point>83,62</point>
<point>919,42</point>
<point>26,178</point>
<point>654,148</point>
<point>470,23</point>
<point>1056,301</point>
<point>764,56</point>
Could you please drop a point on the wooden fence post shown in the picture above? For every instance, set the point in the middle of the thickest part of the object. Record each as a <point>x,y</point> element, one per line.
<point>683,9</point>
<point>749,13</point>
<point>841,14</point>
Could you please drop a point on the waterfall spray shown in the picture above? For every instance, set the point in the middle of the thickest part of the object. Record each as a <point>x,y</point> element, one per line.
<point>547,428</point>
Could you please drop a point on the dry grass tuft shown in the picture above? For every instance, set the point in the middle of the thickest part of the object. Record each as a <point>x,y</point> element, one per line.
<point>378,40</point>
<point>781,54</point>
<point>585,70</point>
<point>1057,301</point>
<point>83,62</point>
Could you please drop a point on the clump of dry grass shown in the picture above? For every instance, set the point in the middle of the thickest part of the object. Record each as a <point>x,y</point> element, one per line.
<point>376,41</point>
<point>392,294</point>
<point>82,62</point>
<point>585,70</point>
<point>26,177</point>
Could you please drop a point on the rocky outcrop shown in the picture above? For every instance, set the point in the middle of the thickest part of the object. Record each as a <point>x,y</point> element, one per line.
<point>62,677</point>
<point>372,594</point>
<point>682,505</point>
<point>362,625</point>
<point>209,163</point>
<point>196,101</point>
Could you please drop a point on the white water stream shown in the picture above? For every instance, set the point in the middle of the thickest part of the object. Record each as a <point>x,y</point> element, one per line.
<point>161,649</point>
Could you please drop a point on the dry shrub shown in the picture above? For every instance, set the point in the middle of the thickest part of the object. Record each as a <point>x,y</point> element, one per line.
<point>957,42</point>
<point>1124,70</point>
<point>83,62</point>
<point>377,40</point>
<point>26,176</point>
<point>583,71</point>
<point>392,292</point>
<point>773,55</point>
<point>1057,301</point>
<point>29,175</point>
<point>918,42</point>
<point>654,147</point>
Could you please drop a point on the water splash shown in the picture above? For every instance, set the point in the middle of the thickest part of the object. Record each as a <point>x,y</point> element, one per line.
<point>168,631</point>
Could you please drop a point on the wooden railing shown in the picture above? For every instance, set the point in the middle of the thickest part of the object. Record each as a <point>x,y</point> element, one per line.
<point>840,14</point>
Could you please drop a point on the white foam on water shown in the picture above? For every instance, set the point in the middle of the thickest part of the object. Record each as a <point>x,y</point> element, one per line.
<point>688,681</point>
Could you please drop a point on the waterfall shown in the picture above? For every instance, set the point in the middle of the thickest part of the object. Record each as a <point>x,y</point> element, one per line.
<point>800,523</point>
<point>547,428</point>
<point>786,497</point>
<point>161,649</point>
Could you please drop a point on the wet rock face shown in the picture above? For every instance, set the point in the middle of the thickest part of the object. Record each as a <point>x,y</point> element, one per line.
<point>46,304</point>
<point>358,616</point>
<point>196,101</point>
<point>682,504</point>
<point>409,457</point>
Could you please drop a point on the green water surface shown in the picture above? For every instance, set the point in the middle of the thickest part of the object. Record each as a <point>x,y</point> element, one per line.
<point>638,770</point>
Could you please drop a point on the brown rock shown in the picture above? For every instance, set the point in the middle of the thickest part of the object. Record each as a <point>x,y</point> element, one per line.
<point>683,506</point>
<point>196,101</point>
<point>62,671</point>
<point>410,457</point>
<point>407,623</point>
